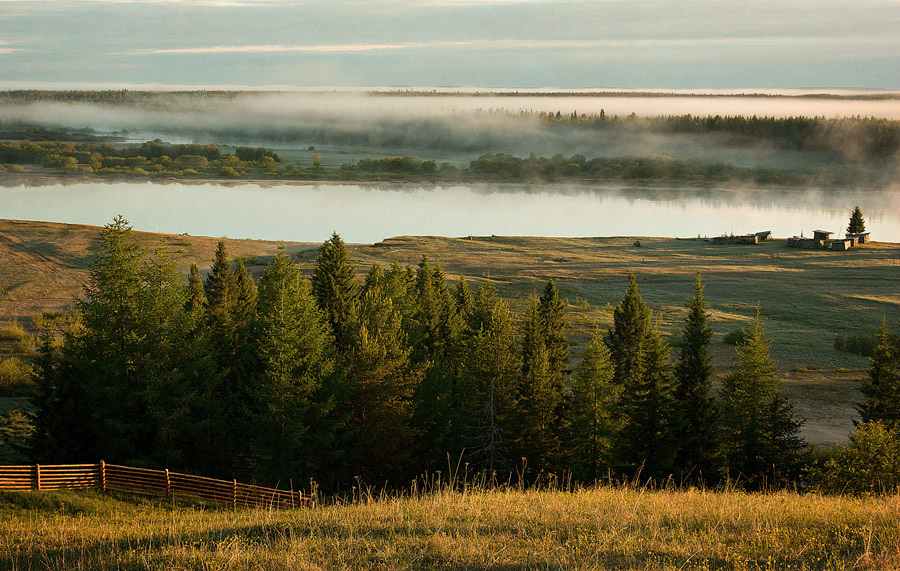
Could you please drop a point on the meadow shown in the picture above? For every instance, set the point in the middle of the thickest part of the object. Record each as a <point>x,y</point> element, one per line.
<point>461,528</point>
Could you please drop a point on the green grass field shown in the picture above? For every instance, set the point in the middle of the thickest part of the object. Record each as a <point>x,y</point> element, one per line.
<point>603,528</point>
<point>806,297</point>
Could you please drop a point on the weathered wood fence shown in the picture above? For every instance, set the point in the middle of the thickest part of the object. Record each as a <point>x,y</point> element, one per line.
<point>111,477</point>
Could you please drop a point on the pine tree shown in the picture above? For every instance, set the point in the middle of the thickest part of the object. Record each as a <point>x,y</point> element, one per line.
<point>882,388</point>
<point>595,416</point>
<point>462,297</point>
<point>553,318</point>
<point>334,284</point>
<point>857,224</point>
<point>289,401</point>
<point>697,417</point>
<point>760,436</point>
<point>631,327</point>
<point>647,443</point>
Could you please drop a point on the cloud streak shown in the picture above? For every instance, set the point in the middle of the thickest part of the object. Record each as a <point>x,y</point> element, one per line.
<point>513,44</point>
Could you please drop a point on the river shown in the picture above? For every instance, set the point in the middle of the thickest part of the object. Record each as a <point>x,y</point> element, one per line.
<point>371,213</point>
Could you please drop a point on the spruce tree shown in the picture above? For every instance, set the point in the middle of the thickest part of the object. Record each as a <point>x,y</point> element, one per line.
<point>487,386</point>
<point>631,327</point>
<point>334,284</point>
<point>595,415</point>
<point>289,397</point>
<point>462,298</point>
<point>196,302</point>
<point>553,319</point>
<point>857,224</point>
<point>697,418</point>
<point>647,443</point>
<point>760,437</point>
<point>882,387</point>
<point>378,383</point>
<point>540,397</point>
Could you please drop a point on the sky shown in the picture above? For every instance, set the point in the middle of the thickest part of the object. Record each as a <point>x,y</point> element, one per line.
<point>566,44</point>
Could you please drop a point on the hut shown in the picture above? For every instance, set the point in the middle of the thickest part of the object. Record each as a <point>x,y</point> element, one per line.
<point>821,235</point>
<point>748,239</point>
<point>764,235</point>
<point>861,237</point>
<point>719,240</point>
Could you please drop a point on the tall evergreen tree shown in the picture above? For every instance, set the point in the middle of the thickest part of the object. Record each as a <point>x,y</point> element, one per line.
<point>487,385</point>
<point>553,318</point>
<point>882,388</point>
<point>462,297</point>
<point>334,284</point>
<point>435,339</point>
<point>290,400</point>
<point>537,423</point>
<point>631,327</point>
<point>857,223</point>
<point>378,386</point>
<point>697,418</point>
<point>760,437</point>
<point>196,301</point>
<point>595,415</point>
<point>647,443</point>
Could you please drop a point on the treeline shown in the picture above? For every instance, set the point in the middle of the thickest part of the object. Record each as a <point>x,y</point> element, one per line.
<point>149,157</point>
<point>291,378</point>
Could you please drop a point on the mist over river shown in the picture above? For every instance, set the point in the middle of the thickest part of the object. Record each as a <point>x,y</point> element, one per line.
<point>371,213</point>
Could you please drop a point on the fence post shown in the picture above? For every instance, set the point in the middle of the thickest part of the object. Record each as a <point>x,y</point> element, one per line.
<point>37,473</point>
<point>168,484</point>
<point>234,495</point>
<point>102,476</point>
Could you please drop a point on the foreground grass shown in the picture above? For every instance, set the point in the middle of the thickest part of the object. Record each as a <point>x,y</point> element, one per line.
<point>593,529</point>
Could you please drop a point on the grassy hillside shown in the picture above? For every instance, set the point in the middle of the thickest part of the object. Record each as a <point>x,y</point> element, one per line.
<point>603,528</point>
<point>807,297</point>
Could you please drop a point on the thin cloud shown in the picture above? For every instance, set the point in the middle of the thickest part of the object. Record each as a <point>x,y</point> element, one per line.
<point>528,44</point>
<point>7,50</point>
<point>324,48</point>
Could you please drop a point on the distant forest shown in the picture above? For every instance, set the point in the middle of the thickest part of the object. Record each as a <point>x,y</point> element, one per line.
<point>329,378</point>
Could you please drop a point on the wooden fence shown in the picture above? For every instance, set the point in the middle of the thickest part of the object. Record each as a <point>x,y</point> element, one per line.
<point>111,477</point>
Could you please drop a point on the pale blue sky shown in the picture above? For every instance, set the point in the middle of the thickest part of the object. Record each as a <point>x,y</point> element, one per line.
<point>699,44</point>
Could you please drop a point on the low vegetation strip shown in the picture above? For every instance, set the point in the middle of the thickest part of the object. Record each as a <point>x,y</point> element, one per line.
<point>111,477</point>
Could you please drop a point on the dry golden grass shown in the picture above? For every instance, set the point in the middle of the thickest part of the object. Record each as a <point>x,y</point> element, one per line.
<point>603,528</point>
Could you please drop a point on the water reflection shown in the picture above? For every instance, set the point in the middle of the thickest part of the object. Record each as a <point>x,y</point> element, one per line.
<point>370,213</point>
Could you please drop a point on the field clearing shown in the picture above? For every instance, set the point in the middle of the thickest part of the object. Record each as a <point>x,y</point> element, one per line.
<point>806,297</point>
<point>603,528</point>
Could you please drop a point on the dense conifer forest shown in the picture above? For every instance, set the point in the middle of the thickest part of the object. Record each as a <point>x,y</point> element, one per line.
<point>293,377</point>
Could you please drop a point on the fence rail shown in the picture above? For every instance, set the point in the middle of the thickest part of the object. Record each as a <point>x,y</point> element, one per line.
<point>112,477</point>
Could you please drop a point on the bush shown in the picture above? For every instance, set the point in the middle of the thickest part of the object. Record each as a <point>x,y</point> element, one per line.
<point>855,343</point>
<point>15,372</point>
<point>12,332</point>
<point>735,337</point>
<point>870,464</point>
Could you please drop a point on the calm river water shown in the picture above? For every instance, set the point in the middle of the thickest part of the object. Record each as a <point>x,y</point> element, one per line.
<point>366,214</point>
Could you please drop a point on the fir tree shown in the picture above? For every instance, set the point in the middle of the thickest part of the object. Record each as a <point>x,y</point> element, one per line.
<point>334,284</point>
<point>595,416</point>
<point>760,437</point>
<point>882,388</point>
<point>540,396</point>
<point>289,398</point>
<point>487,385</point>
<point>378,386</point>
<point>196,302</point>
<point>857,224</point>
<point>697,418</point>
<point>631,327</point>
<point>647,442</point>
<point>462,297</point>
